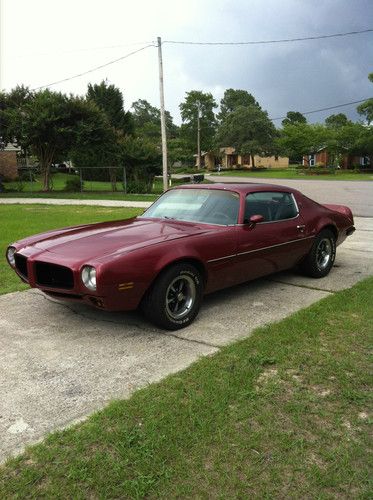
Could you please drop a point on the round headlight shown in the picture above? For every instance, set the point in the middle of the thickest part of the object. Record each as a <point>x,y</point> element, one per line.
<point>88,275</point>
<point>10,256</point>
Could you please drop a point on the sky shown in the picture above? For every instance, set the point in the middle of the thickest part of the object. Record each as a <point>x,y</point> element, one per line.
<point>43,41</point>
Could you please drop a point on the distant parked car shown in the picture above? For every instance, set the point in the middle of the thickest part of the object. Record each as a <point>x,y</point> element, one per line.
<point>193,240</point>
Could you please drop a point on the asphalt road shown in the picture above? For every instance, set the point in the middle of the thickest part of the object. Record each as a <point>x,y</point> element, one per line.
<point>60,362</point>
<point>358,195</point>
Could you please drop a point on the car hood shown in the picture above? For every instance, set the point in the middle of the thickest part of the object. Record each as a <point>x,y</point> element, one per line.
<point>96,240</point>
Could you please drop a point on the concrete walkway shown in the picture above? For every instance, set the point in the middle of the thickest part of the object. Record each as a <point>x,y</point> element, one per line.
<point>60,362</point>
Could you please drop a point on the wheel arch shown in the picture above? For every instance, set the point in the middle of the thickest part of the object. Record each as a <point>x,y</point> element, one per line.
<point>187,260</point>
<point>331,228</point>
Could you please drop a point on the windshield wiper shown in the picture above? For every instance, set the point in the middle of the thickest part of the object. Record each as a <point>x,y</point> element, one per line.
<point>167,217</point>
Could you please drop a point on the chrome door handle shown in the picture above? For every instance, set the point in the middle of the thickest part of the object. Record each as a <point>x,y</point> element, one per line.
<point>301,228</point>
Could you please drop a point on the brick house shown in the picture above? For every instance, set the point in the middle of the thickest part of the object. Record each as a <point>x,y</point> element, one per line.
<point>231,160</point>
<point>8,162</point>
<point>323,158</point>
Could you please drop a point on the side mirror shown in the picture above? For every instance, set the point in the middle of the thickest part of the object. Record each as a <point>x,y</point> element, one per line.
<point>255,219</point>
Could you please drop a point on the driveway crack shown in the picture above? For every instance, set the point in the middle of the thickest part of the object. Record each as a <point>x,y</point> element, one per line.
<point>301,286</point>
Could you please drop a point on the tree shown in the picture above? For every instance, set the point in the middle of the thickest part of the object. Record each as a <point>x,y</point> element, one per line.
<point>337,121</point>
<point>47,124</point>
<point>366,108</point>
<point>299,139</point>
<point>147,120</point>
<point>232,99</point>
<point>198,103</point>
<point>142,160</point>
<point>13,100</point>
<point>110,100</point>
<point>364,141</point>
<point>249,130</point>
<point>293,117</point>
<point>96,142</point>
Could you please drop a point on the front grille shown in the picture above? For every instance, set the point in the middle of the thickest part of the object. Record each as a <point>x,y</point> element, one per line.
<point>21,264</point>
<point>53,275</point>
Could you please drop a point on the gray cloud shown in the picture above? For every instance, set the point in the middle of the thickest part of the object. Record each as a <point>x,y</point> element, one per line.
<point>296,76</point>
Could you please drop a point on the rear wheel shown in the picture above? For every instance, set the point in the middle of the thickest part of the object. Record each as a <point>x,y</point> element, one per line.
<point>320,259</point>
<point>175,297</point>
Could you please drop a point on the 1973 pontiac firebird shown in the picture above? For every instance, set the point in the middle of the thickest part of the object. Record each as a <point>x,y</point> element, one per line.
<point>193,240</point>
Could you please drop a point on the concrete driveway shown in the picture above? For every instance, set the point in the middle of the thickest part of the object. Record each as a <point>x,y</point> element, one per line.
<point>59,362</point>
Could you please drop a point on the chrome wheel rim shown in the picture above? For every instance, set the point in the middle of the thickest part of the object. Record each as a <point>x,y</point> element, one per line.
<point>323,253</point>
<point>180,297</point>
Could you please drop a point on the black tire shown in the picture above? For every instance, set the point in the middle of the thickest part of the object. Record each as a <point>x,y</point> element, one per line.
<point>175,297</point>
<point>320,259</point>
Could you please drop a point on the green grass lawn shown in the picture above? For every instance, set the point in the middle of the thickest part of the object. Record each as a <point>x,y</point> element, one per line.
<point>93,190</point>
<point>340,175</point>
<point>18,221</point>
<point>285,413</point>
<point>58,184</point>
<point>82,196</point>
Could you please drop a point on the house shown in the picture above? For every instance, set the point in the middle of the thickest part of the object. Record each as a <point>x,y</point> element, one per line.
<point>323,158</point>
<point>208,160</point>
<point>8,162</point>
<point>229,159</point>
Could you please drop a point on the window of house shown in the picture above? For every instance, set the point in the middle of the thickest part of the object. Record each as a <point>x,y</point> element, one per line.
<point>364,161</point>
<point>312,160</point>
<point>273,206</point>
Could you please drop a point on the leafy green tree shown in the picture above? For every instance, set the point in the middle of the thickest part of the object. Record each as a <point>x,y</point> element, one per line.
<point>232,99</point>
<point>142,161</point>
<point>198,102</point>
<point>337,121</point>
<point>110,100</point>
<point>178,151</point>
<point>364,142</point>
<point>293,118</point>
<point>147,120</point>
<point>47,124</point>
<point>366,108</point>
<point>249,130</point>
<point>10,101</point>
<point>96,142</point>
<point>299,139</point>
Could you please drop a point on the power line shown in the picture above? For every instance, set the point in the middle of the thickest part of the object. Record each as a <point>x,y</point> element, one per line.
<point>324,109</point>
<point>261,42</point>
<point>94,69</point>
<point>83,49</point>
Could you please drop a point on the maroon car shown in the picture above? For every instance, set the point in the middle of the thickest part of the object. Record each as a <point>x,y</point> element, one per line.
<point>193,240</point>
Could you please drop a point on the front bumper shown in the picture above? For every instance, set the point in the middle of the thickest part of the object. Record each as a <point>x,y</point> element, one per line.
<point>111,297</point>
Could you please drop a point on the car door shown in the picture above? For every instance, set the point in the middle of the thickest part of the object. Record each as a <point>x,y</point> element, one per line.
<point>275,244</point>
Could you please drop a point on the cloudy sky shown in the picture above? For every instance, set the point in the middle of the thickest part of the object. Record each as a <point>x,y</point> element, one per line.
<point>43,41</point>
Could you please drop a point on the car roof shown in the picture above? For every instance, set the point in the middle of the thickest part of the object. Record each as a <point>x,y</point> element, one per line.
<point>239,187</point>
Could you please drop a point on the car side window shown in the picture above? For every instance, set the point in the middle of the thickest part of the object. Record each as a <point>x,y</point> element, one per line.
<point>271,205</point>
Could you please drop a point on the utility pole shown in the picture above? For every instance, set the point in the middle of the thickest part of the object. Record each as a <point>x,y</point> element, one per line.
<point>198,136</point>
<point>163,117</point>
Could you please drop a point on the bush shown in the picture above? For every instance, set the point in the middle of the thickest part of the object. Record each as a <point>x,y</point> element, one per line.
<point>73,185</point>
<point>26,176</point>
<point>139,187</point>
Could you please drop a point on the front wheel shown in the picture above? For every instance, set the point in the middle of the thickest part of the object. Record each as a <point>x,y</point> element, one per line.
<point>175,297</point>
<point>320,259</point>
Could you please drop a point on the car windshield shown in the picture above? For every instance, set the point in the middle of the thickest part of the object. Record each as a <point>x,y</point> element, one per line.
<point>211,206</point>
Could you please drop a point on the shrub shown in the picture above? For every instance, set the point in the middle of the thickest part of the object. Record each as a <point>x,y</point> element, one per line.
<point>73,185</point>
<point>138,187</point>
